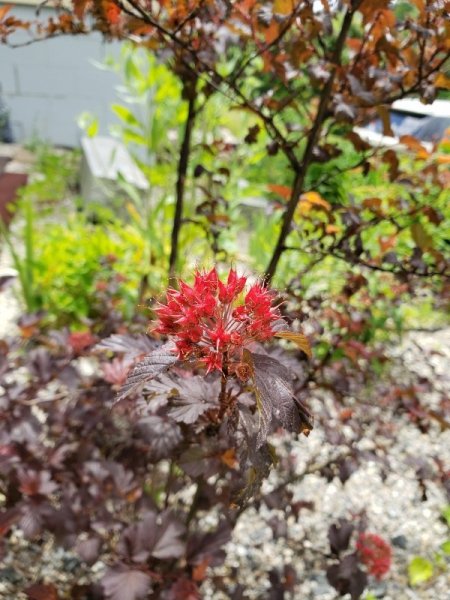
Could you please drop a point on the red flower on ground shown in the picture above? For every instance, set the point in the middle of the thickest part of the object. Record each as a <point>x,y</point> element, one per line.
<point>211,320</point>
<point>375,554</point>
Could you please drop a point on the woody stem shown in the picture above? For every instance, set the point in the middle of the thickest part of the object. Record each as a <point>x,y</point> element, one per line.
<point>223,387</point>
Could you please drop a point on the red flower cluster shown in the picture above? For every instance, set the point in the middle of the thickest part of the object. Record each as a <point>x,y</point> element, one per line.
<point>212,319</point>
<point>375,553</point>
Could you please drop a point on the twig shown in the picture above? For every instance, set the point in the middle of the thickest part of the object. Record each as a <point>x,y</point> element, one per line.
<point>181,180</point>
<point>312,140</point>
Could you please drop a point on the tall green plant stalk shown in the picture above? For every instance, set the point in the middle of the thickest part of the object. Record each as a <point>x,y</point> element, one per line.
<point>24,265</point>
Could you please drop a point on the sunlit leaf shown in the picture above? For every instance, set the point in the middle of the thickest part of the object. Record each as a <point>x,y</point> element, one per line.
<point>445,547</point>
<point>298,338</point>
<point>283,7</point>
<point>423,240</point>
<point>442,81</point>
<point>314,199</point>
<point>280,190</point>
<point>4,10</point>
<point>419,570</point>
<point>411,143</point>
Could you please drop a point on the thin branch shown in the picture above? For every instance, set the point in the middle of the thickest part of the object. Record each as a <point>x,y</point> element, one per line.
<point>181,179</point>
<point>312,140</point>
<point>283,31</point>
<point>214,78</point>
<point>355,261</point>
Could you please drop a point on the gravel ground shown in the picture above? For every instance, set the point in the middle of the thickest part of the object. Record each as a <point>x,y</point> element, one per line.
<point>393,505</point>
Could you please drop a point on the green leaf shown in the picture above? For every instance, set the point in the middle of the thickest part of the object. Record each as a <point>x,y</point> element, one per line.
<point>88,123</point>
<point>130,136</point>
<point>446,514</point>
<point>446,547</point>
<point>419,570</point>
<point>126,115</point>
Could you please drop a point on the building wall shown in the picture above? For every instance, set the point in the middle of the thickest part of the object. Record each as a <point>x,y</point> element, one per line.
<point>48,84</point>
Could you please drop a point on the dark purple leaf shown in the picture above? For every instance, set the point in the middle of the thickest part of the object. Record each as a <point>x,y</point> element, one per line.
<point>128,345</point>
<point>123,479</point>
<point>196,396</point>
<point>339,536</point>
<point>162,435</point>
<point>158,391</point>
<point>198,461</point>
<point>5,281</point>
<point>208,545</point>
<point>70,376</point>
<point>155,535</point>
<point>183,589</point>
<point>252,134</point>
<point>346,468</point>
<point>41,364</point>
<point>123,583</point>
<point>33,483</point>
<point>155,363</point>
<point>276,591</point>
<point>274,395</point>
<point>347,578</point>
<point>89,549</point>
<point>167,542</point>
<point>358,583</point>
<point>7,519</point>
<point>31,519</point>
<point>359,91</point>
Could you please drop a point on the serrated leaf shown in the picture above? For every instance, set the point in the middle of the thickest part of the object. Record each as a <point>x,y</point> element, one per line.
<point>158,391</point>
<point>7,519</point>
<point>419,570</point>
<point>162,434</point>
<point>200,460</point>
<point>157,535</point>
<point>261,460</point>
<point>128,345</point>
<point>196,396</point>
<point>298,338</point>
<point>155,363</point>
<point>208,546</point>
<point>168,543</point>
<point>306,418</point>
<point>274,394</point>
<point>263,405</point>
<point>89,549</point>
<point>126,584</point>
